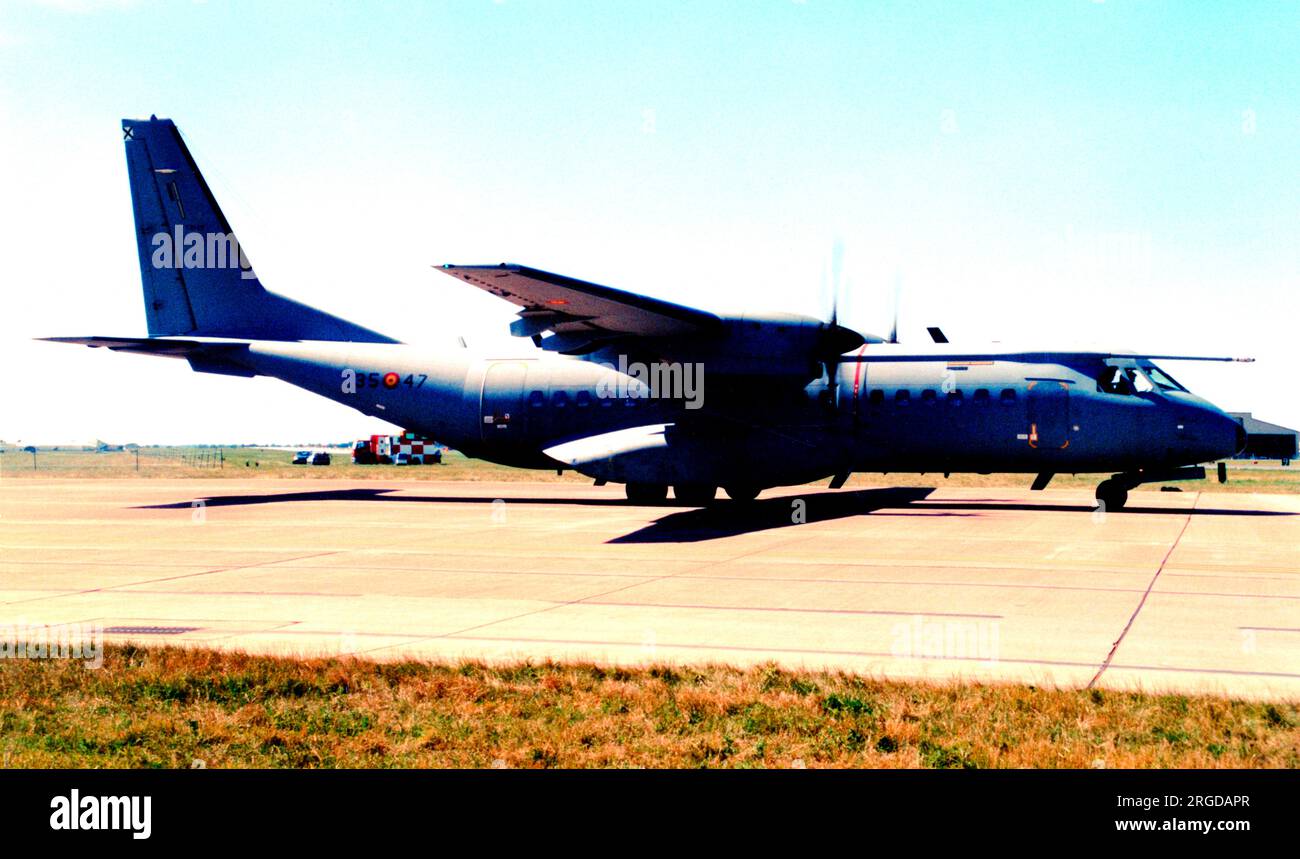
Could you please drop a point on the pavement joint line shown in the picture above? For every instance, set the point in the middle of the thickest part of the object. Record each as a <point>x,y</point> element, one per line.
<point>901,564</point>
<point>1124,632</point>
<point>154,581</point>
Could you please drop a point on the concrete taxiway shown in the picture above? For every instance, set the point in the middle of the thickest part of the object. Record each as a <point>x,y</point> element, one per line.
<point>1184,592</point>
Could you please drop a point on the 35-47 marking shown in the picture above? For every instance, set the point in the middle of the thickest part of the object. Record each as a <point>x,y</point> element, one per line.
<point>353,381</point>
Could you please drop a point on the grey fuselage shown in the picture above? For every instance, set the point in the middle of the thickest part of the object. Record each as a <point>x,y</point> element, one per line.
<point>914,416</point>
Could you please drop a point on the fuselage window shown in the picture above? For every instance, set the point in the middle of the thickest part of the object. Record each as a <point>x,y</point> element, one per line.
<point>1008,395</point>
<point>981,396</point>
<point>928,396</point>
<point>955,398</point>
<point>536,399</point>
<point>902,397</point>
<point>559,399</point>
<point>583,399</point>
<point>877,396</point>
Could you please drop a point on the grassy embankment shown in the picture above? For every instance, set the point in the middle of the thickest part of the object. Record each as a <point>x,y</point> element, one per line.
<point>171,707</point>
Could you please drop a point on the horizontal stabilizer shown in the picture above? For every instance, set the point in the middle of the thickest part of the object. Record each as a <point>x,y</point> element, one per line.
<point>224,357</point>
<point>163,347</point>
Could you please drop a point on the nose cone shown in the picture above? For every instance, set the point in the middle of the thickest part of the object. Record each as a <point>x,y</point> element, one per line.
<point>1227,436</point>
<point>1206,433</point>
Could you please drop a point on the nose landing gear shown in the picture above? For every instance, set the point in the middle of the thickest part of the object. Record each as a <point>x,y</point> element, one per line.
<point>1112,494</point>
<point>1113,491</point>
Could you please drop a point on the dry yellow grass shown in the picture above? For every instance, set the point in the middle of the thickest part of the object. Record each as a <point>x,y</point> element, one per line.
<point>170,707</point>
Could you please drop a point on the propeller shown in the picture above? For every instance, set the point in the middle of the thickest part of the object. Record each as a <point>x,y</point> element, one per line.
<point>836,339</point>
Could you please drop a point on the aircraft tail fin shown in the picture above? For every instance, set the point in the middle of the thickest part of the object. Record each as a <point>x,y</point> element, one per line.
<point>197,280</point>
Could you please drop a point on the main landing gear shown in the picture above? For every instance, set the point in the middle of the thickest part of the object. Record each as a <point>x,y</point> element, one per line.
<point>695,494</point>
<point>689,494</point>
<point>742,493</point>
<point>647,493</point>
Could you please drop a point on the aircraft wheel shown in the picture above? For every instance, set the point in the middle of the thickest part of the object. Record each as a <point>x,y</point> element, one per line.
<point>695,494</point>
<point>1112,494</point>
<point>646,493</point>
<point>742,493</point>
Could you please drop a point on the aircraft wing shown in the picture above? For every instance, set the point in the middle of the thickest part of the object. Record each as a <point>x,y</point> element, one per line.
<point>582,316</point>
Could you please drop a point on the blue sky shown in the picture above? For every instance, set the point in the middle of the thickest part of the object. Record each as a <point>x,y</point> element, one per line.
<point>1120,174</point>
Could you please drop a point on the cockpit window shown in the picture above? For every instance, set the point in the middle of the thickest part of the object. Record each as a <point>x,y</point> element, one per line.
<point>1113,380</point>
<point>1141,383</point>
<point>1129,381</point>
<point>1163,380</point>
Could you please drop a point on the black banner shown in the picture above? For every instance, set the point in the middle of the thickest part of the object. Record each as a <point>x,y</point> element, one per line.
<point>140,809</point>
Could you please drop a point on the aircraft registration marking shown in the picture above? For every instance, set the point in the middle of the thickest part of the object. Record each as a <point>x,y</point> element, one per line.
<point>391,380</point>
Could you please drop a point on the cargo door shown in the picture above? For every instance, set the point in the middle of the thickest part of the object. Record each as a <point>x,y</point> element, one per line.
<point>502,415</point>
<point>1049,414</point>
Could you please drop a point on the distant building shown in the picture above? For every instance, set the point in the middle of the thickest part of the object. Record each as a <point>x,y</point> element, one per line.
<point>1265,440</point>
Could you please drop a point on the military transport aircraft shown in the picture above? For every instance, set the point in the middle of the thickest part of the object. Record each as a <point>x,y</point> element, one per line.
<point>631,389</point>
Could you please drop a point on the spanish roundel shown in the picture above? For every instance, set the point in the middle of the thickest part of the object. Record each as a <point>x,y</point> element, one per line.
<point>391,380</point>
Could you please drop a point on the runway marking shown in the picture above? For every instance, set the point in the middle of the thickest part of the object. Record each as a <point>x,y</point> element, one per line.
<point>1147,593</point>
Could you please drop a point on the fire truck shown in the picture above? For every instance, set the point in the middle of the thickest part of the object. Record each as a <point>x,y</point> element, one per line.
<point>406,449</point>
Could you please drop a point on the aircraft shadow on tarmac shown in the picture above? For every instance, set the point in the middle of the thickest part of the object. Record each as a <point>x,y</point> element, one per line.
<point>722,519</point>
<point>725,520</point>
<point>368,494</point>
